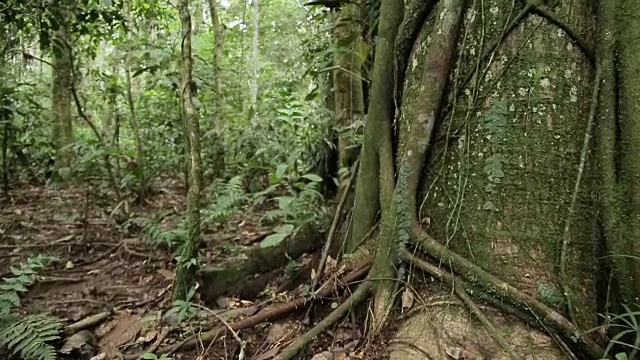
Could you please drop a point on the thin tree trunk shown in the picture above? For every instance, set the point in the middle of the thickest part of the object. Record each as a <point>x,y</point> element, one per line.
<point>135,125</point>
<point>61,94</point>
<point>254,61</point>
<point>218,54</point>
<point>349,100</point>
<point>185,274</point>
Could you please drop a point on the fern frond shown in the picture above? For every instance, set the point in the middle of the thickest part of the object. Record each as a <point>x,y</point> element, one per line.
<point>30,337</point>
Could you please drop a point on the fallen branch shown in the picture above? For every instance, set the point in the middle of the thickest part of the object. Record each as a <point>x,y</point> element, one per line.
<point>156,344</point>
<point>269,314</point>
<point>359,295</point>
<point>216,282</point>
<point>86,323</point>
<point>233,332</point>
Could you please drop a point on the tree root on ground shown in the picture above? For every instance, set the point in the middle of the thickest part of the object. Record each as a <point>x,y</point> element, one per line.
<point>359,295</point>
<point>216,282</point>
<point>467,269</point>
<point>269,314</point>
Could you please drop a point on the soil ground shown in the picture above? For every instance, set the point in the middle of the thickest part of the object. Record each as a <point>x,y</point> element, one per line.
<point>106,266</point>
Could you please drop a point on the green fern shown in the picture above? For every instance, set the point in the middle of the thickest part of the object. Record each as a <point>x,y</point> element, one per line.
<point>30,336</point>
<point>23,276</point>
<point>227,200</point>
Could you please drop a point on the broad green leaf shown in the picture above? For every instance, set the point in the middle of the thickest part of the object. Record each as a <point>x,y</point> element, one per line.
<point>281,169</point>
<point>273,240</point>
<point>284,229</point>
<point>312,177</point>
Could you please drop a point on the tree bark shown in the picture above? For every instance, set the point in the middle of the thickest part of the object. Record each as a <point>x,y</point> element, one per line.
<point>186,270</point>
<point>61,92</point>
<point>347,80</point>
<point>218,56</point>
<point>254,59</point>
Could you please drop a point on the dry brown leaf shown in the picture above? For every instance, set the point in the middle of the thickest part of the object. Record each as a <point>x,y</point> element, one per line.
<point>331,265</point>
<point>455,352</point>
<point>167,274</point>
<point>407,299</point>
<point>77,341</point>
<point>126,329</point>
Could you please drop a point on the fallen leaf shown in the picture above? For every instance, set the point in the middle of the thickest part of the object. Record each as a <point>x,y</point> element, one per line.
<point>454,352</point>
<point>331,265</point>
<point>125,331</point>
<point>407,299</point>
<point>167,274</point>
<point>69,265</point>
<point>77,341</point>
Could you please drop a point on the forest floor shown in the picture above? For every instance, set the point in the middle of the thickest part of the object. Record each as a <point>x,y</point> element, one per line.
<point>106,268</point>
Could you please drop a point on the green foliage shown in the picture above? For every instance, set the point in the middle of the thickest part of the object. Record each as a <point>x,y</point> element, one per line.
<point>226,200</point>
<point>152,356</point>
<point>625,327</point>
<point>281,233</point>
<point>495,122</point>
<point>183,309</point>
<point>30,336</point>
<point>22,276</point>
<point>159,236</point>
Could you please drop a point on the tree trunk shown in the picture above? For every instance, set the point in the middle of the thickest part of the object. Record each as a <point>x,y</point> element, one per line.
<point>494,161</point>
<point>186,270</point>
<point>254,59</point>
<point>347,80</point>
<point>218,55</point>
<point>135,125</point>
<point>61,93</point>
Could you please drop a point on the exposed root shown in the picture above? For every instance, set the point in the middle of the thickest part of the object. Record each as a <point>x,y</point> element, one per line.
<point>466,268</point>
<point>463,289</point>
<point>359,295</point>
<point>269,314</point>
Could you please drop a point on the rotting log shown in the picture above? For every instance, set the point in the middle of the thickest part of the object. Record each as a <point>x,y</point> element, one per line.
<point>236,279</point>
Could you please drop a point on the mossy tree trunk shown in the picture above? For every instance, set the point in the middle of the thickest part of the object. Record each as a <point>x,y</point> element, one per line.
<point>62,47</point>
<point>494,116</point>
<point>218,56</point>
<point>347,78</point>
<point>185,274</point>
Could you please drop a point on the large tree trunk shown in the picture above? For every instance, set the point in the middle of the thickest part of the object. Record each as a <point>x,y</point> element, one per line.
<point>495,161</point>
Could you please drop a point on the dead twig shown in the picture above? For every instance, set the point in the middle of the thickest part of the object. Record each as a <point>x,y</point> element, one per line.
<point>358,296</point>
<point>268,314</point>
<point>156,344</point>
<point>138,254</point>
<point>85,323</point>
<point>233,332</point>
